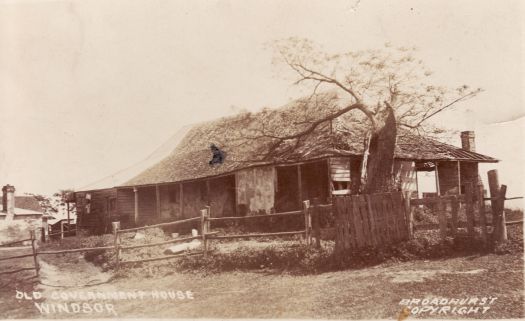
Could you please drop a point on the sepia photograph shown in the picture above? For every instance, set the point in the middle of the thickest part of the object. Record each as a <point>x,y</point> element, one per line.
<point>231,159</point>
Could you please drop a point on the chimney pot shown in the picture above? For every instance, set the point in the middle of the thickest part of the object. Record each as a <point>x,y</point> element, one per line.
<point>468,141</point>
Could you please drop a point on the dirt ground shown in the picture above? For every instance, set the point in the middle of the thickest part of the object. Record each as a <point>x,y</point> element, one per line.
<point>369,293</point>
<point>21,281</point>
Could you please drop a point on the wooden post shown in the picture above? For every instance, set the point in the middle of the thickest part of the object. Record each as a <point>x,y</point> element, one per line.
<point>330,176</point>
<point>417,185</point>
<point>61,229</point>
<point>442,218</point>
<point>469,208</point>
<point>208,193</point>
<point>459,178</point>
<point>299,183</point>
<point>409,214</point>
<point>208,224</point>
<point>481,211</point>
<point>329,171</point>
<point>502,228</point>
<point>494,193</point>
<point>157,199</point>
<point>181,205</point>
<point>44,229</point>
<point>68,219</point>
<point>204,222</point>
<point>306,210</point>
<point>455,209</point>
<point>438,192</point>
<point>316,222</point>
<point>116,235</point>
<point>497,203</point>
<point>33,248</point>
<point>136,209</point>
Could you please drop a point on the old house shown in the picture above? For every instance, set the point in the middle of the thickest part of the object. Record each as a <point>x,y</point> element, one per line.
<point>253,178</point>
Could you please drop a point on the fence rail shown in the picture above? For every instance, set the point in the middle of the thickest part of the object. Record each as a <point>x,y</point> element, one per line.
<point>36,266</point>
<point>166,257</point>
<point>135,229</point>
<point>19,270</point>
<point>15,257</point>
<point>311,229</point>
<point>14,242</point>
<point>226,218</point>
<point>223,237</point>
<point>84,249</point>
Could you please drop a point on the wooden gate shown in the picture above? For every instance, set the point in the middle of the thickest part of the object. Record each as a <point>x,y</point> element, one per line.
<point>370,220</point>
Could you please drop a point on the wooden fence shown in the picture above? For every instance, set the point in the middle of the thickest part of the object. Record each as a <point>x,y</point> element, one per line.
<point>372,220</point>
<point>361,221</point>
<point>34,253</point>
<point>473,202</point>
<point>206,236</point>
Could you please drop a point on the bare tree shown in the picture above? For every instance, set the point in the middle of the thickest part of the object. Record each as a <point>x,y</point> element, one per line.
<point>389,86</point>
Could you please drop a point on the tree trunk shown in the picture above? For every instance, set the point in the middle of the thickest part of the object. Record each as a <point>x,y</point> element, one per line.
<point>379,176</point>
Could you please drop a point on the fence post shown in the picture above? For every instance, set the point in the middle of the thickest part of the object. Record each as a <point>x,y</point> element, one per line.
<point>116,235</point>
<point>469,208</point>
<point>481,211</point>
<point>497,202</point>
<point>33,248</point>
<point>306,206</point>
<point>409,214</point>
<point>502,221</point>
<point>316,222</point>
<point>494,192</point>
<point>204,214</point>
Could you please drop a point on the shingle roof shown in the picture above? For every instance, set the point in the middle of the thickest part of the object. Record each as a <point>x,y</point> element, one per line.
<point>28,202</point>
<point>245,138</point>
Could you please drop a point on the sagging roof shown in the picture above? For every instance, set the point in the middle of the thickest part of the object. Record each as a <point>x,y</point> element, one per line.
<point>245,138</point>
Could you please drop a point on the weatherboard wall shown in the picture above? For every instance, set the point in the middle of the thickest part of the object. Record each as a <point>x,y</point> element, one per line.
<point>255,189</point>
<point>93,210</point>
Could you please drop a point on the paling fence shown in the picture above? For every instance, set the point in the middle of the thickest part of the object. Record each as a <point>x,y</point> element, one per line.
<point>372,220</point>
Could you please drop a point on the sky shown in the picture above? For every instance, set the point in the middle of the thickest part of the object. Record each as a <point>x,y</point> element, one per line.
<point>88,88</point>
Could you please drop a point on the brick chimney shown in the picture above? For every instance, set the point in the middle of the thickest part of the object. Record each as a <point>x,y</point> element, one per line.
<point>8,201</point>
<point>468,141</point>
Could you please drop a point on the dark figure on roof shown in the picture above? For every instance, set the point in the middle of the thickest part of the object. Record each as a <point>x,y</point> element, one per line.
<point>218,155</point>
